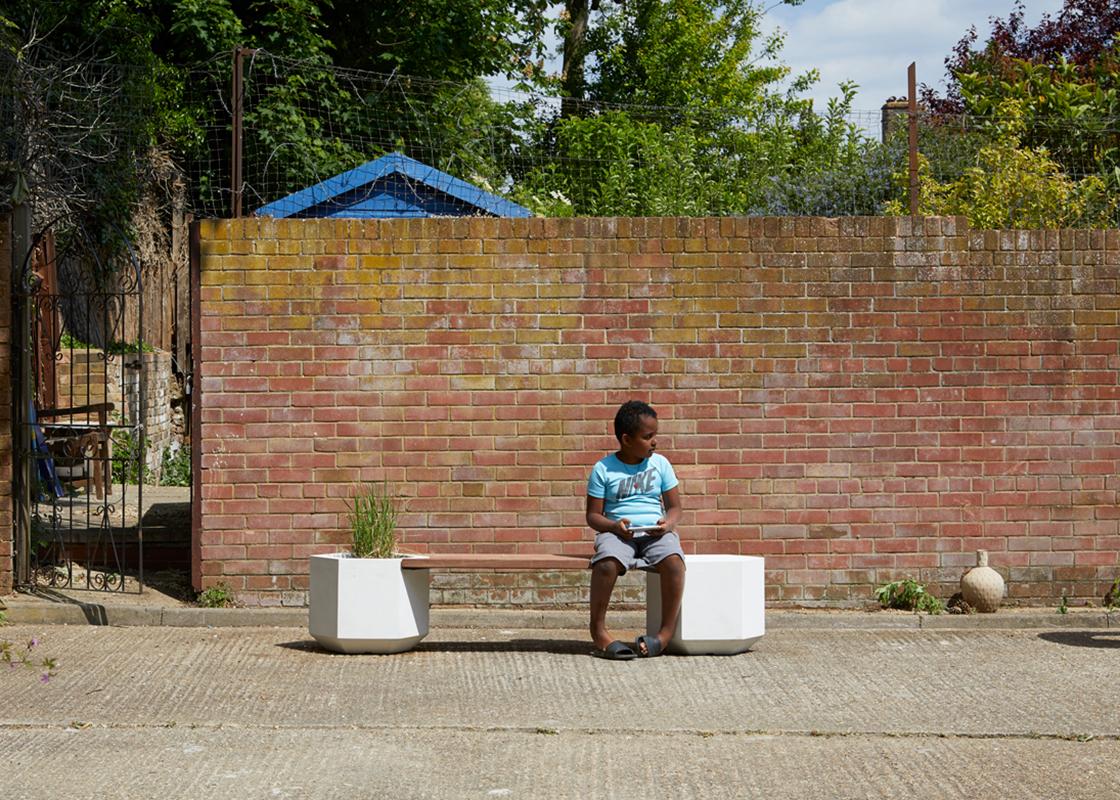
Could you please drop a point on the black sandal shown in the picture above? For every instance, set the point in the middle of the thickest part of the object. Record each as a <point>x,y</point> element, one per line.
<point>616,651</point>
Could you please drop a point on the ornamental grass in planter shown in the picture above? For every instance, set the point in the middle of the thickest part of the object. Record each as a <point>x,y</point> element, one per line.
<point>362,601</point>
<point>373,522</point>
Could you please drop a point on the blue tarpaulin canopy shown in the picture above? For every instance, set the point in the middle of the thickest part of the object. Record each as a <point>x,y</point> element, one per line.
<point>392,186</point>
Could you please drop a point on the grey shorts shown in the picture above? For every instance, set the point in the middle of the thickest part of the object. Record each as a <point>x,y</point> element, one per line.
<point>640,552</point>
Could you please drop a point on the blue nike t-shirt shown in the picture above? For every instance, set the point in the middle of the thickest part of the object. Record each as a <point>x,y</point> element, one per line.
<point>632,491</point>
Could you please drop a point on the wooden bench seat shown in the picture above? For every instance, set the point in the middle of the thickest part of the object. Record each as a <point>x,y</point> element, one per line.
<point>502,561</point>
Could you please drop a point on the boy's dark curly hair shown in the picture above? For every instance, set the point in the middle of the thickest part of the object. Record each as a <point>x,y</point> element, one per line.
<point>628,418</point>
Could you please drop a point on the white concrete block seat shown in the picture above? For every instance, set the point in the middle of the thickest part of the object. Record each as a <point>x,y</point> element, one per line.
<point>723,610</point>
<point>367,605</point>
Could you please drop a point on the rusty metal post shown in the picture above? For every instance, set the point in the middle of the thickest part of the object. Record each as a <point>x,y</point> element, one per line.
<point>912,94</point>
<point>237,90</point>
<point>237,107</point>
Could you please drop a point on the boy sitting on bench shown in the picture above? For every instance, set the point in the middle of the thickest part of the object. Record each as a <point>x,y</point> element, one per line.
<point>634,505</point>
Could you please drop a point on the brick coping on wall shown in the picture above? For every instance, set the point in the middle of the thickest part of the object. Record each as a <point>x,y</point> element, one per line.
<point>857,399</point>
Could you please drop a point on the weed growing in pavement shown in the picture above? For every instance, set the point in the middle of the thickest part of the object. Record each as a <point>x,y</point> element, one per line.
<point>15,657</point>
<point>1112,596</point>
<point>908,595</point>
<point>219,596</point>
<point>1064,607</point>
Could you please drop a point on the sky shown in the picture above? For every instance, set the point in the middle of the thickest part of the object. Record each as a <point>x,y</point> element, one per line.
<point>872,42</point>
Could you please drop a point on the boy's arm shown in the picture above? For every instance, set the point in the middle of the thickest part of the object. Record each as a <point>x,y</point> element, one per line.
<point>600,522</point>
<point>672,502</point>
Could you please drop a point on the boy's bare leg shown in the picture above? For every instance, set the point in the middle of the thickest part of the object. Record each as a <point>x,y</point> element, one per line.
<point>671,571</point>
<point>603,576</point>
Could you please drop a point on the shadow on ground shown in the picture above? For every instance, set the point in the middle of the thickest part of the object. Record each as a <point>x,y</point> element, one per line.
<point>175,583</point>
<point>94,612</point>
<point>558,646</point>
<point>1083,638</point>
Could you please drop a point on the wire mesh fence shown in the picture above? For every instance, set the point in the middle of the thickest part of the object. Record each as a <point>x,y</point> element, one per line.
<point>578,158</point>
<point>79,136</point>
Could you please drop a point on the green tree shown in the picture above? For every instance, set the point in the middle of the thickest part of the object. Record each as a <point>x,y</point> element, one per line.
<point>686,54</point>
<point>452,40</point>
<point>293,115</point>
<point>677,107</point>
<point>610,164</point>
<point>80,123</point>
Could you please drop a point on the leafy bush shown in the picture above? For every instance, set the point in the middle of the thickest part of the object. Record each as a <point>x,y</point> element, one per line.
<point>908,595</point>
<point>861,184</point>
<point>614,165</point>
<point>1069,109</point>
<point>69,342</point>
<point>373,522</point>
<point>175,469</point>
<point>1011,185</point>
<point>129,464</point>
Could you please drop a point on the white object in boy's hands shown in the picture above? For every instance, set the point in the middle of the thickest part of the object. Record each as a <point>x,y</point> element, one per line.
<point>644,528</point>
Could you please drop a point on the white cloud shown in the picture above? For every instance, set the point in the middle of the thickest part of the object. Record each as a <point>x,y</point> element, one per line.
<point>872,42</point>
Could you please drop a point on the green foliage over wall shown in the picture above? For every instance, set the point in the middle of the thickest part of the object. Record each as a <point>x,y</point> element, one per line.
<point>1012,185</point>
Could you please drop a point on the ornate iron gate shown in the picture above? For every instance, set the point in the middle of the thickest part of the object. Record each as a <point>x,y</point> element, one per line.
<point>79,406</point>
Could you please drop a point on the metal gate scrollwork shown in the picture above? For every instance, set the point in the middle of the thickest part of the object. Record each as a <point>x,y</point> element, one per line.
<point>80,394</point>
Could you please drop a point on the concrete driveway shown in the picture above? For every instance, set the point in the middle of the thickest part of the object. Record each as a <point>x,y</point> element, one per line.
<point>814,712</point>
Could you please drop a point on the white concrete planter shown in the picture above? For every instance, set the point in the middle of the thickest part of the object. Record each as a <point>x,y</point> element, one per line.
<point>724,605</point>
<point>367,605</point>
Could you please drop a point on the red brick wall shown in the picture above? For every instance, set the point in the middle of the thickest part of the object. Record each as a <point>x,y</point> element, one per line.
<point>857,399</point>
<point>6,565</point>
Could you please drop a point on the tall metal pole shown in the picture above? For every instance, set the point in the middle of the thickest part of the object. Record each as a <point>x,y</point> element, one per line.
<point>237,97</point>
<point>912,94</point>
<point>235,151</point>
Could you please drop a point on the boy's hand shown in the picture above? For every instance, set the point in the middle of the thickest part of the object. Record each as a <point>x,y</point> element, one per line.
<point>622,529</point>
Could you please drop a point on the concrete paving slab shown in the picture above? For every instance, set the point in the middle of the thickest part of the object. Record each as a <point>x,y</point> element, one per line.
<point>220,763</point>
<point>1021,683</point>
<point>502,712</point>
